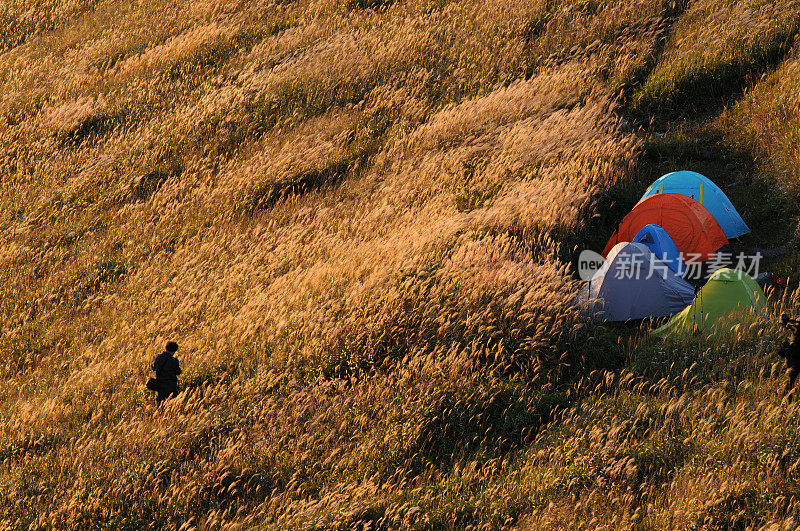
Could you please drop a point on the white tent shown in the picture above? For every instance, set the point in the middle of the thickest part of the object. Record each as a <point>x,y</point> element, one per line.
<point>634,284</point>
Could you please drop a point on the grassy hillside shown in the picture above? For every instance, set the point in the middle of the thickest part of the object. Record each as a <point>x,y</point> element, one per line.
<point>357,218</point>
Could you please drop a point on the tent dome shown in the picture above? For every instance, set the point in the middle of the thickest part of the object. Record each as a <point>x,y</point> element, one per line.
<point>634,284</point>
<point>704,191</point>
<point>727,291</point>
<point>692,228</point>
<point>657,240</point>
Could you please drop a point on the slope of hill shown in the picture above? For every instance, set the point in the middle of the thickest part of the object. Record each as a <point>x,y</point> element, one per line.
<point>357,218</point>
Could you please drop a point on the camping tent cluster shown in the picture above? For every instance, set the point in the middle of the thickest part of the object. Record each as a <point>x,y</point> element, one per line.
<point>682,214</point>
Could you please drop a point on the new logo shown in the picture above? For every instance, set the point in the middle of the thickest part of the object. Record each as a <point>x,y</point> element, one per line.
<point>589,262</point>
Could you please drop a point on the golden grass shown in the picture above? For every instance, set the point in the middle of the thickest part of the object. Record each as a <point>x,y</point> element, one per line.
<point>354,222</point>
<point>766,121</point>
<point>715,45</point>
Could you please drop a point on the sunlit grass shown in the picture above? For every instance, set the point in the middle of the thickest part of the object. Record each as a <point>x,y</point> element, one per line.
<point>766,121</point>
<point>355,218</point>
<point>714,49</point>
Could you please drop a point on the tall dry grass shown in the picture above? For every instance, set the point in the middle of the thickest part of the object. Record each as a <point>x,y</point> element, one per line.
<point>714,47</point>
<point>354,222</point>
<point>766,121</point>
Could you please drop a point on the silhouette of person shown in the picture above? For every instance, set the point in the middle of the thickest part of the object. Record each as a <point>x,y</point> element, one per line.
<point>790,350</point>
<point>167,370</point>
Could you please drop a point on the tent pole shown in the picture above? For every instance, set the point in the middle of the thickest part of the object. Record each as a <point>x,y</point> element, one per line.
<point>694,311</point>
<point>702,320</point>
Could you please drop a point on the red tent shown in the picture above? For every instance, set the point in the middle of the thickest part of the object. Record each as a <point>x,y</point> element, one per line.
<point>693,229</point>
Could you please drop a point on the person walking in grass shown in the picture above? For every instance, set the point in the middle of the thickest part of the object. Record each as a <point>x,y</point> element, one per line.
<point>790,351</point>
<point>167,370</point>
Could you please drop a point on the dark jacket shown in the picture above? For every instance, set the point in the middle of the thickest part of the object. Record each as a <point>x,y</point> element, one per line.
<point>167,367</point>
<point>167,370</point>
<point>791,349</point>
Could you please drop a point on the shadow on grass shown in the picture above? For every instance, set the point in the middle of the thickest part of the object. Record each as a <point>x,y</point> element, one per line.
<point>497,422</point>
<point>705,89</point>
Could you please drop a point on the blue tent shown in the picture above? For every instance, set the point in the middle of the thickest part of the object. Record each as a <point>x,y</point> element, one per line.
<point>634,284</point>
<point>658,241</point>
<point>702,190</point>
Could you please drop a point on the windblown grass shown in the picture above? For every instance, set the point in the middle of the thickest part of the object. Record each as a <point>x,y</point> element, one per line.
<point>766,121</point>
<point>354,218</point>
<point>713,50</point>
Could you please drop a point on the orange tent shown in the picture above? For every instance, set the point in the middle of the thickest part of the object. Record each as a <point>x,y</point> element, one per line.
<point>693,229</point>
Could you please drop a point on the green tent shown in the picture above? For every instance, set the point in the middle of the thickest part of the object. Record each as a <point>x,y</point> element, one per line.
<point>727,291</point>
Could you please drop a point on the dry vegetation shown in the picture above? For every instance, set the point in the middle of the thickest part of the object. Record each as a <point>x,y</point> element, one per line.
<point>767,122</point>
<point>356,218</point>
<point>715,45</point>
